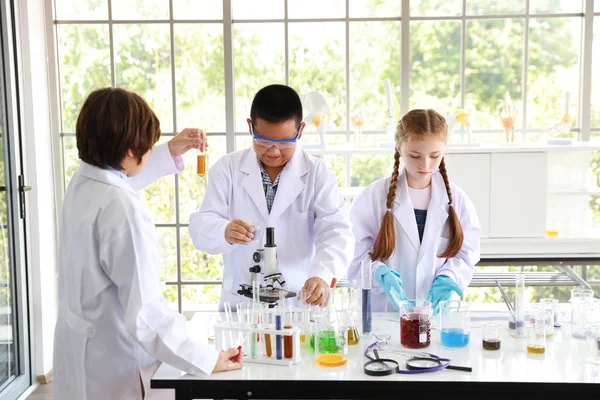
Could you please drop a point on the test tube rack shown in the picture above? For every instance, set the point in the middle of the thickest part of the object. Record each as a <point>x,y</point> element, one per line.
<point>224,333</point>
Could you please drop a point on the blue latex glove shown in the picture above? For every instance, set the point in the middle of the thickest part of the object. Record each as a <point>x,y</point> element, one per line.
<point>392,285</point>
<point>441,290</point>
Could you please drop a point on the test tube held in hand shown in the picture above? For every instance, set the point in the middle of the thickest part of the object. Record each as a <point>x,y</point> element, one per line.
<point>201,163</point>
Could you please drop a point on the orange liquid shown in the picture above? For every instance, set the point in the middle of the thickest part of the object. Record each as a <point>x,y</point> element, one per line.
<point>288,349</point>
<point>201,164</point>
<point>353,336</point>
<point>268,345</point>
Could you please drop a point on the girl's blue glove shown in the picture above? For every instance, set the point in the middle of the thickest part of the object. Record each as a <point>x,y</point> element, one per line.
<point>392,285</point>
<point>441,290</point>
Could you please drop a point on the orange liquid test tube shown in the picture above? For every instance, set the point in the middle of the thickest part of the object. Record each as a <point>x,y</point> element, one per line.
<point>201,164</point>
<point>268,345</point>
<point>288,347</point>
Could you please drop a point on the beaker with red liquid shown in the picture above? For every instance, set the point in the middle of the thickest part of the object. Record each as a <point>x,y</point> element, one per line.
<point>415,324</point>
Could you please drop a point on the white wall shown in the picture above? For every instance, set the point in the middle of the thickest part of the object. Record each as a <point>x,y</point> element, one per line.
<point>38,135</point>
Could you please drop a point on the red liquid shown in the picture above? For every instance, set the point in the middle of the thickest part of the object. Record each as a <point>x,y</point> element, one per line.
<point>415,334</point>
<point>288,349</point>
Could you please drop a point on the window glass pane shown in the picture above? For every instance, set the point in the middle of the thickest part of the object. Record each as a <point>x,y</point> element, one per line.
<point>337,163</point>
<point>553,72</point>
<point>555,6</point>
<point>191,186</point>
<point>317,63</point>
<point>159,197</point>
<point>258,52</point>
<point>200,297</point>
<point>596,77</point>
<point>257,9</point>
<point>84,65</point>
<point>170,293</point>
<point>374,57</point>
<point>486,7</point>
<point>435,8</point>
<point>143,65</point>
<point>245,141</point>
<point>70,158</point>
<point>316,9</point>
<point>375,8</point>
<point>195,9</point>
<point>367,168</point>
<point>435,65</point>
<point>140,9</point>
<point>199,76</point>
<point>196,264</point>
<point>168,247</point>
<point>81,9</point>
<point>494,70</point>
<point>596,7</point>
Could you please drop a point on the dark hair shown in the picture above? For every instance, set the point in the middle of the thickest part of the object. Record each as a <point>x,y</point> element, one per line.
<point>111,122</point>
<point>276,103</point>
<point>416,124</point>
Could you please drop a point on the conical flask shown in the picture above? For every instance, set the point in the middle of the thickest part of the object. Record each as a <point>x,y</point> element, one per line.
<point>331,346</point>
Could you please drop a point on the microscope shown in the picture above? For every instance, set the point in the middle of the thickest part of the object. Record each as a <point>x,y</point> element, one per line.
<point>264,263</point>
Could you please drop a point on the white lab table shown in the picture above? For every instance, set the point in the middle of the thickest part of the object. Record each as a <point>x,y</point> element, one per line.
<point>510,371</point>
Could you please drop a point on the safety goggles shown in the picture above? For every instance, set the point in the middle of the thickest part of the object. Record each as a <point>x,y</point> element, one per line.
<point>280,143</point>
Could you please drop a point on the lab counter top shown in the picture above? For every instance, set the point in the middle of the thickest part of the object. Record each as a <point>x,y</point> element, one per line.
<point>510,371</point>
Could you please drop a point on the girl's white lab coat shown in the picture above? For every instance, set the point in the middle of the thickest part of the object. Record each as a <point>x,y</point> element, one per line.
<point>310,216</point>
<point>418,263</point>
<point>113,322</point>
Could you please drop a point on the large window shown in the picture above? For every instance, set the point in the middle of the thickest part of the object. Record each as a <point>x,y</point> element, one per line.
<point>185,56</point>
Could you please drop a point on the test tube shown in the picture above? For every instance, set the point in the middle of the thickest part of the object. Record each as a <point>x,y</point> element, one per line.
<point>491,336</point>
<point>278,339</point>
<point>201,163</point>
<point>519,331</point>
<point>288,349</point>
<point>366,286</point>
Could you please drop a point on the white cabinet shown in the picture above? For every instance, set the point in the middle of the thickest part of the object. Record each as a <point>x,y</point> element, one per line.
<point>471,172</point>
<point>518,195</point>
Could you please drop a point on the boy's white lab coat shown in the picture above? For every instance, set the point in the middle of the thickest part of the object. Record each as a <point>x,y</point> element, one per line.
<point>310,216</point>
<point>417,263</point>
<point>113,322</point>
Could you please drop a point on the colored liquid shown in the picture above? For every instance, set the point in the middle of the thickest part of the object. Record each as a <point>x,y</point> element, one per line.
<point>331,360</point>
<point>353,336</point>
<point>312,342</point>
<point>454,338</point>
<point>302,338</point>
<point>268,345</point>
<point>415,334</point>
<point>536,349</point>
<point>328,342</point>
<point>513,325</point>
<point>366,310</point>
<point>278,344</point>
<point>598,342</point>
<point>201,164</point>
<point>491,344</point>
<point>288,348</point>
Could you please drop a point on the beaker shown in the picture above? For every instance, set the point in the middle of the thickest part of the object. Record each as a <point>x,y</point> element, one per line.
<point>415,324</point>
<point>582,307</point>
<point>331,347</point>
<point>553,303</point>
<point>455,323</point>
<point>491,336</point>
<point>536,337</point>
<point>547,312</point>
<point>592,333</point>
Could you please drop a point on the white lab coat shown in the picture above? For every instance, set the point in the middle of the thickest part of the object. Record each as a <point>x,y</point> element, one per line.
<point>418,263</point>
<point>310,216</point>
<point>113,321</point>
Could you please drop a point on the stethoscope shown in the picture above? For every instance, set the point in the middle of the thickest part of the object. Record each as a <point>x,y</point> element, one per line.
<point>415,364</point>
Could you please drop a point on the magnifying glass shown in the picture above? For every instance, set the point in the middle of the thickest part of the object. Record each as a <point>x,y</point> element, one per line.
<point>431,364</point>
<point>381,366</point>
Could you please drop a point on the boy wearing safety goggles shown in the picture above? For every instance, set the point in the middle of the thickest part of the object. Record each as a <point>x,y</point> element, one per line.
<point>275,184</point>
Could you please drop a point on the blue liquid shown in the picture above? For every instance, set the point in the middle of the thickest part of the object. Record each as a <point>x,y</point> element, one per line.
<point>454,338</point>
<point>278,338</point>
<point>366,310</point>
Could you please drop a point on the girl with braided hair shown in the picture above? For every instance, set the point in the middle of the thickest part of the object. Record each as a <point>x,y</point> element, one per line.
<point>420,230</point>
